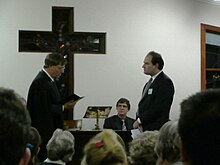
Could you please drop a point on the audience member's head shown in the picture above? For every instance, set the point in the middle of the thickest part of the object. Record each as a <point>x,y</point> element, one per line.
<point>167,147</point>
<point>14,129</point>
<point>141,149</point>
<point>106,148</point>
<point>61,146</point>
<point>34,144</point>
<point>199,127</point>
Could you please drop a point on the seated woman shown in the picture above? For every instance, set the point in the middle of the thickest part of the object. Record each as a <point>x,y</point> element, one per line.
<point>141,149</point>
<point>60,148</point>
<point>167,147</point>
<point>106,148</point>
<point>34,141</point>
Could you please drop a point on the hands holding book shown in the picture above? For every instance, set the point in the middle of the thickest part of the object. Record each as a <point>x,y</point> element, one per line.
<point>70,104</point>
<point>70,101</point>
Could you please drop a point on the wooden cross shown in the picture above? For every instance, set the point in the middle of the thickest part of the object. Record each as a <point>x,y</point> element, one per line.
<point>62,39</point>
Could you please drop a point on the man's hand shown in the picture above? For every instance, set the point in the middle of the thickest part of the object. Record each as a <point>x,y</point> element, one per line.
<point>135,124</point>
<point>70,104</point>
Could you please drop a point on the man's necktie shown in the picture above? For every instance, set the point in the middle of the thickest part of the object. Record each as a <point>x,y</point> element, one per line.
<point>147,86</point>
<point>145,91</point>
<point>123,128</point>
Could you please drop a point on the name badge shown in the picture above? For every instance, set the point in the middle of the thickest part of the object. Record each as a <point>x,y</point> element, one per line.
<point>150,91</point>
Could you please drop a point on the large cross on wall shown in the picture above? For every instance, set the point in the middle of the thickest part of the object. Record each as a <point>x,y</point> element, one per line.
<point>63,39</point>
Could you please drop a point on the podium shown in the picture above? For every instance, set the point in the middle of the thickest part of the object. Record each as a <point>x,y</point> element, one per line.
<point>83,137</point>
<point>97,112</point>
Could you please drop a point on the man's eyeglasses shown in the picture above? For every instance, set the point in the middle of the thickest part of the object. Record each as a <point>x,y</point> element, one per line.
<point>61,67</point>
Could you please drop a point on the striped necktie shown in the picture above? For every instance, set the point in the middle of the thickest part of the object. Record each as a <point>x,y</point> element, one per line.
<point>123,128</point>
<point>147,86</point>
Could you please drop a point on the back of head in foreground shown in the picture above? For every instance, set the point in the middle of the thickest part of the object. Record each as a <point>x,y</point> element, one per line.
<point>106,148</point>
<point>61,146</point>
<point>199,127</point>
<point>167,145</point>
<point>141,149</point>
<point>14,129</point>
<point>34,141</point>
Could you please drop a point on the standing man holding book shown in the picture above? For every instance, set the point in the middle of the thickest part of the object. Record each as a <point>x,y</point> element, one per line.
<point>44,100</point>
<point>157,97</point>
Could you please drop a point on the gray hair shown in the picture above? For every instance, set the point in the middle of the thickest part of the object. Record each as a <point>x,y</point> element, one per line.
<point>167,143</point>
<point>54,59</point>
<point>141,149</point>
<point>61,146</point>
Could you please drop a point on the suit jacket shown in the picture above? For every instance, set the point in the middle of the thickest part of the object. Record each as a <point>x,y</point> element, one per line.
<point>43,104</point>
<point>154,107</point>
<point>115,123</point>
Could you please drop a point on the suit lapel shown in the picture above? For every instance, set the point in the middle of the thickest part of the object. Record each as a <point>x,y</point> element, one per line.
<point>153,85</point>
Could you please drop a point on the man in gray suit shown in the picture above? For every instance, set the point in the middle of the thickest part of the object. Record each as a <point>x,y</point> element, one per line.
<point>154,106</point>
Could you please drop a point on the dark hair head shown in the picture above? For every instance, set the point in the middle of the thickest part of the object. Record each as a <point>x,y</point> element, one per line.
<point>156,59</point>
<point>54,59</point>
<point>123,100</point>
<point>34,142</point>
<point>199,127</point>
<point>14,126</point>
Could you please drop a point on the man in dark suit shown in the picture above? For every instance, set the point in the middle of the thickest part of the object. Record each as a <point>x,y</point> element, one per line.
<point>154,106</point>
<point>44,101</point>
<point>120,121</point>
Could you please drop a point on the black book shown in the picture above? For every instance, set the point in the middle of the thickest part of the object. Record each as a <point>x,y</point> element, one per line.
<point>73,97</point>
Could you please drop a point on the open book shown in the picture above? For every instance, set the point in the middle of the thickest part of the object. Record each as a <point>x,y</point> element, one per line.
<point>103,111</point>
<point>73,97</point>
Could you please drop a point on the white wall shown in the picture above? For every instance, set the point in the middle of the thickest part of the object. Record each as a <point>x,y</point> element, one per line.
<point>170,27</point>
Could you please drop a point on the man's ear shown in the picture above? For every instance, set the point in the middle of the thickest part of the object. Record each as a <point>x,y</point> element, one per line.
<point>38,150</point>
<point>26,157</point>
<point>157,65</point>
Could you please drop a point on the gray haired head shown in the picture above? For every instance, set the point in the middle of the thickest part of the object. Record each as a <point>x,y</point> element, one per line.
<point>61,146</point>
<point>167,143</point>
